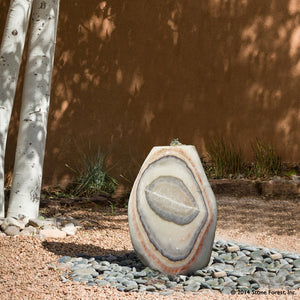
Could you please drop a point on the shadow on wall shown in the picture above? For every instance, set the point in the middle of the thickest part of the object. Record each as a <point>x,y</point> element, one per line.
<point>130,75</point>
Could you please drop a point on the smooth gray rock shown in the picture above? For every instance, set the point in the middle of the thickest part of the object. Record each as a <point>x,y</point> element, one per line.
<point>140,274</point>
<point>277,274</point>
<point>111,279</point>
<point>212,282</point>
<point>247,247</point>
<point>200,273</point>
<point>235,274</point>
<point>64,259</point>
<point>10,221</point>
<point>130,285</point>
<point>240,265</point>
<point>120,288</point>
<point>226,290</point>
<point>82,278</point>
<point>282,272</point>
<point>102,268</point>
<point>197,279</point>
<point>121,279</point>
<point>290,255</point>
<point>296,287</point>
<point>294,277</point>
<point>219,274</point>
<point>192,287</point>
<point>160,286</point>
<point>228,268</point>
<point>101,282</point>
<point>171,284</point>
<point>296,263</point>
<point>85,272</point>
<point>28,231</point>
<point>129,276</point>
<point>218,260</point>
<point>140,281</point>
<point>244,283</point>
<point>226,280</point>
<point>150,288</point>
<point>226,256</point>
<point>12,230</point>
<point>205,285</point>
<point>69,229</point>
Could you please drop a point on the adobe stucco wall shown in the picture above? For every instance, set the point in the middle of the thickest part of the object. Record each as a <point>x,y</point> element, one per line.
<point>134,74</point>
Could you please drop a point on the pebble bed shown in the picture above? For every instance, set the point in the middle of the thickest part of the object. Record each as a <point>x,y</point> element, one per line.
<point>233,268</point>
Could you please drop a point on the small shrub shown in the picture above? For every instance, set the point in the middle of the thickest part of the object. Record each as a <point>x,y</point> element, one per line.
<point>290,173</point>
<point>267,161</point>
<point>208,167</point>
<point>93,179</point>
<point>225,158</point>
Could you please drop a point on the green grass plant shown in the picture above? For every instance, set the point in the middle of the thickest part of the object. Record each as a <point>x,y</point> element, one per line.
<point>290,173</point>
<point>225,159</point>
<point>267,161</point>
<point>93,178</point>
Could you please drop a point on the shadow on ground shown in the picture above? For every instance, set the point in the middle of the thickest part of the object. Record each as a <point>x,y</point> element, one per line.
<point>67,249</point>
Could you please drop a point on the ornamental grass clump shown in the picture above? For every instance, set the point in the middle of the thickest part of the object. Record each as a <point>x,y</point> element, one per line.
<point>267,161</point>
<point>225,158</point>
<point>93,179</point>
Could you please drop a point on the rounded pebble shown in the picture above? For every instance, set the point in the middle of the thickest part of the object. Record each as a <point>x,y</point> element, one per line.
<point>225,274</point>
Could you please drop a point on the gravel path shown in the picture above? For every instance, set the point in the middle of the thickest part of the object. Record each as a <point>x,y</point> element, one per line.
<point>29,267</point>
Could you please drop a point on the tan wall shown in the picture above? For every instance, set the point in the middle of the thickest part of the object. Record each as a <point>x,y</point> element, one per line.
<point>143,72</point>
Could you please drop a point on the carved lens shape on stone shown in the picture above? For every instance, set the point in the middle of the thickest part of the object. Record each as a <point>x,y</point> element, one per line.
<point>164,203</point>
<point>169,197</point>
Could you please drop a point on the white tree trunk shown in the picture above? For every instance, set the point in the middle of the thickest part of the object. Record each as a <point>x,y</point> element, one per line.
<point>11,51</point>
<point>27,177</point>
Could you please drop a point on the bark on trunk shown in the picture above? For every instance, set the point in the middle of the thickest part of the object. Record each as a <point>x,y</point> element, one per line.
<point>27,177</point>
<point>11,52</point>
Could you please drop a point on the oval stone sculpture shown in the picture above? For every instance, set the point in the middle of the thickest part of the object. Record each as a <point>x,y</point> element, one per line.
<point>172,211</point>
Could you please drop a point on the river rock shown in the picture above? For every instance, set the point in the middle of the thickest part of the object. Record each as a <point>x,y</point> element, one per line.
<point>233,248</point>
<point>276,256</point>
<point>30,230</point>
<point>219,274</point>
<point>69,229</point>
<point>172,211</point>
<point>12,230</point>
<point>10,221</point>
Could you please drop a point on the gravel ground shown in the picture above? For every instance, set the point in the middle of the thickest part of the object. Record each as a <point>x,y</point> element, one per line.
<point>28,265</point>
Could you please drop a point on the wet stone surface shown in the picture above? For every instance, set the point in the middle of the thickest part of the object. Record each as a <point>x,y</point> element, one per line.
<point>245,269</point>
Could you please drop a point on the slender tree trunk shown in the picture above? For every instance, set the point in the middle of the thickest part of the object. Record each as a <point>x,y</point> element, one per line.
<point>11,51</point>
<point>27,177</point>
